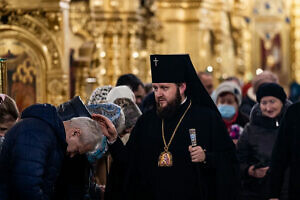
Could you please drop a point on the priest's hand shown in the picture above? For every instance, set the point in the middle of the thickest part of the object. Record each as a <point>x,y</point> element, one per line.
<point>107,127</point>
<point>197,153</point>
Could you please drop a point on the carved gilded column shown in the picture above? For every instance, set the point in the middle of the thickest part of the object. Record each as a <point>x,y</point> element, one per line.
<point>241,34</point>
<point>152,37</point>
<point>271,38</point>
<point>215,21</point>
<point>180,28</point>
<point>200,28</point>
<point>119,31</point>
<point>3,76</point>
<point>87,53</point>
<point>118,38</point>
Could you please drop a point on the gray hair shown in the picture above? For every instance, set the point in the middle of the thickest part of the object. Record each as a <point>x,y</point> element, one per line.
<point>91,131</point>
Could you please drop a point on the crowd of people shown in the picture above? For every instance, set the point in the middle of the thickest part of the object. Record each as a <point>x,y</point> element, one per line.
<point>180,139</point>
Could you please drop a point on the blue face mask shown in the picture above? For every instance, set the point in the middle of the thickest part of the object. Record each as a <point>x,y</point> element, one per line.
<point>227,111</point>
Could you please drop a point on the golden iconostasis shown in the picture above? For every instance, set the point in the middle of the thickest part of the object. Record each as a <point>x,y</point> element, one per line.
<point>56,49</point>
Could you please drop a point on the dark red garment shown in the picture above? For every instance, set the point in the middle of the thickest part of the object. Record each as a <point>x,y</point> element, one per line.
<point>228,123</point>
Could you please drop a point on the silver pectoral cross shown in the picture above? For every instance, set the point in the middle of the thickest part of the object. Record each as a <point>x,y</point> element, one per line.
<point>155,61</point>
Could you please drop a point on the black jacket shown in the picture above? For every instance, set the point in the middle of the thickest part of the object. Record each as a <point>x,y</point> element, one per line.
<point>32,154</point>
<point>254,148</point>
<point>73,182</point>
<point>286,153</point>
<point>247,105</point>
<point>242,119</point>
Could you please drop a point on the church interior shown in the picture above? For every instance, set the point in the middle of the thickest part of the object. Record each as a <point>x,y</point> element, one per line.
<point>52,50</point>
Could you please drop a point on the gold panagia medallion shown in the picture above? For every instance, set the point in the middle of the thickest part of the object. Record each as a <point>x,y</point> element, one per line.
<point>165,159</point>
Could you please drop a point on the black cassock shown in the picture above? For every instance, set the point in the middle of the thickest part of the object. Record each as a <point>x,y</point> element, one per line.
<point>217,178</point>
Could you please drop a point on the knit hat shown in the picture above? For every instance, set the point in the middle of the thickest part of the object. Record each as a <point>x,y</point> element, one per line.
<point>99,95</point>
<point>271,89</point>
<point>112,111</point>
<point>228,86</point>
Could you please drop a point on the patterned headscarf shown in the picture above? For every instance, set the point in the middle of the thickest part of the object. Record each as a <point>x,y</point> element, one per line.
<point>99,95</point>
<point>112,112</point>
<point>115,114</point>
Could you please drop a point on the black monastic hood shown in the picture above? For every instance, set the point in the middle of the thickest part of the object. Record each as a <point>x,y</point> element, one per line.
<point>178,68</point>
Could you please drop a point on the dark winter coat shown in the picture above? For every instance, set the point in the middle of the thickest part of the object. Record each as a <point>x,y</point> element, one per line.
<point>247,105</point>
<point>286,153</point>
<point>254,148</point>
<point>73,181</point>
<point>242,119</point>
<point>32,154</point>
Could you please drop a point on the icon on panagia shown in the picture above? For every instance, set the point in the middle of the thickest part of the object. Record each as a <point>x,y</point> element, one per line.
<point>165,159</point>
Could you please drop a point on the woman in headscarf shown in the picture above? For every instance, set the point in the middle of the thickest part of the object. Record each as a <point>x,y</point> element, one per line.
<point>121,109</point>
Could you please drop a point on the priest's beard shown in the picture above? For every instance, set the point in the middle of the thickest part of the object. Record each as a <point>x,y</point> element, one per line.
<point>171,107</point>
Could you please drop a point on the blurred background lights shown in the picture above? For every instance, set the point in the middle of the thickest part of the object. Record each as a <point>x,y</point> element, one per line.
<point>102,54</point>
<point>210,68</point>
<point>259,71</point>
<point>135,54</point>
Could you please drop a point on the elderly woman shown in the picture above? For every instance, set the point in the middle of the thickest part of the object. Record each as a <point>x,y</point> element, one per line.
<point>228,98</point>
<point>9,114</point>
<point>255,145</point>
